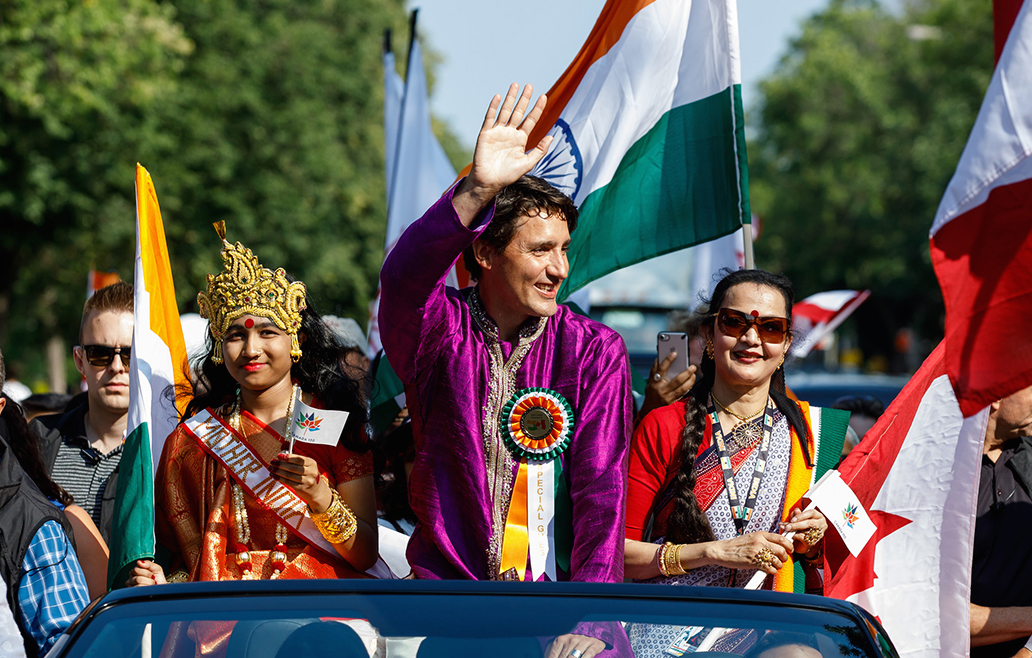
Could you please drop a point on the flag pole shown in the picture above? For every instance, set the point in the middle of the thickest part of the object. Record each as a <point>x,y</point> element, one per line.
<point>750,263</point>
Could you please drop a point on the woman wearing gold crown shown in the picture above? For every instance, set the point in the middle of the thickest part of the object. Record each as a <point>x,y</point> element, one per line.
<point>232,504</point>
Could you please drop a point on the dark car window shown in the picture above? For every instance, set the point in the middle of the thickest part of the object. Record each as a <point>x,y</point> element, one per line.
<point>434,625</point>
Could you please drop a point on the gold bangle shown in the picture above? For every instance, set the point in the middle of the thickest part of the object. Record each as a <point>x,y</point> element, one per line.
<point>337,524</point>
<point>676,561</point>
<point>178,577</point>
<point>670,560</point>
<point>661,557</point>
<point>815,561</point>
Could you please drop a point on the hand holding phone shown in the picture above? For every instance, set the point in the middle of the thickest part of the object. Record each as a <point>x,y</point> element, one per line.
<point>673,341</point>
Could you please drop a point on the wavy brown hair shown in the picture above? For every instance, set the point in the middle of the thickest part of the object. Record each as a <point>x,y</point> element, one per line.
<point>687,523</point>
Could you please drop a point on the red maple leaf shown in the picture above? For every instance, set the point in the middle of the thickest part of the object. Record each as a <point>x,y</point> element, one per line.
<point>852,575</point>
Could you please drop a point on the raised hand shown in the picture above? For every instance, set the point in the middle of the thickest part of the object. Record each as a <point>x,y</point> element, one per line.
<point>501,155</point>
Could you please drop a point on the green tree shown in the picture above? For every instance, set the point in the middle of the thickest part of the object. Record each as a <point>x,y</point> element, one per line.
<point>859,131</point>
<point>266,114</point>
<point>78,83</point>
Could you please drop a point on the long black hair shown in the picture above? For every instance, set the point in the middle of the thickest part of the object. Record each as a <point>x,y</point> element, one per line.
<point>319,371</point>
<point>687,523</point>
<point>15,430</point>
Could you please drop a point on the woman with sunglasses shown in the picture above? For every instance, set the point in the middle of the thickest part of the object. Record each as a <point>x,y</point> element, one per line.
<point>233,501</point>
<point>717,477</point>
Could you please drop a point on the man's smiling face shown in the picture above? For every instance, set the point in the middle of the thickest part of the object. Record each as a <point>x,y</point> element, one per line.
<point>527,273</point>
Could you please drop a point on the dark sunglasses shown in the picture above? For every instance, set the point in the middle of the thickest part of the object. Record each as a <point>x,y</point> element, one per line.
<point>102,355</point>
<point>736,324</point>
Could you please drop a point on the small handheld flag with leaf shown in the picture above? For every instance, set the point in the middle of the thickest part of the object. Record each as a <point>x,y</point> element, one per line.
<point>316,426</point>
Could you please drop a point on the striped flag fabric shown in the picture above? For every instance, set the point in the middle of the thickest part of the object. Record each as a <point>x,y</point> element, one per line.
<point>820,314</point>
<point>649,134</point>
<point>158,361</point>
<point>418,170</point>
<point>981,239</point>
<point>916,473</point>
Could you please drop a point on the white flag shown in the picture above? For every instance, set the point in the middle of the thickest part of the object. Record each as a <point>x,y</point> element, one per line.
<point>842,508</point>
<point>317,426</point>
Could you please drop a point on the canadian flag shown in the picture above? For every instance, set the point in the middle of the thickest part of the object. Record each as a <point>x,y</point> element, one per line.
<point>981,240</point>
<point>916,474</point>
<point>818,315</point>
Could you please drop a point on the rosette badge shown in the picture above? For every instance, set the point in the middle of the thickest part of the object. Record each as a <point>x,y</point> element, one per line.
<point>536,424</point>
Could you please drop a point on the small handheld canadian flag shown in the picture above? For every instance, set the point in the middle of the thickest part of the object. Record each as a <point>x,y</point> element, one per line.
<point>316,426</point>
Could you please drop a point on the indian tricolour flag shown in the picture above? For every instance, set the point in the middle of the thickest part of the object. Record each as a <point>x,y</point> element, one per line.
<point>649,137</point>
<point>159,362</point>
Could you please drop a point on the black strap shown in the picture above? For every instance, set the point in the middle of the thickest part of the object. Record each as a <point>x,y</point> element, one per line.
<point>740,513</point>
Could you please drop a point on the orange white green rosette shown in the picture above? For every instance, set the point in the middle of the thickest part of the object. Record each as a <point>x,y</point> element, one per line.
<point>536,424</point>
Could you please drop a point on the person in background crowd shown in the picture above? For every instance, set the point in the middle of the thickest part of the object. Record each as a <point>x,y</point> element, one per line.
<point>46,588</point>
<point>1001,570</point>
<point>716,478</point>
<point>83,447</point>
<point>864,412</point>
<point>90,547</point>
<point>44,404</point>
<point>351,337</point>
<point>399,456</point>
<point>474,361</point>
<point>14,389</point>
<point>661,391</point>
<point>268,348</point>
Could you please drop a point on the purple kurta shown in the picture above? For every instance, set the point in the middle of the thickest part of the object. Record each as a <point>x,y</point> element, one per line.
<point>457,376</point>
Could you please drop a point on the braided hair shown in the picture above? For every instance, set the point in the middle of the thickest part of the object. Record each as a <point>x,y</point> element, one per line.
<point>687,523</point>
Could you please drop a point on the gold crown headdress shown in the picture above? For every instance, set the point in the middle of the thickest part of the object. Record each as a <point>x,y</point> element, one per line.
<point>248,288</point>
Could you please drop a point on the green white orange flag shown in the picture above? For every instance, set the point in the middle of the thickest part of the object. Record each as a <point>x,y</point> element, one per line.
<point>649,137</point>
<point>158,362</point>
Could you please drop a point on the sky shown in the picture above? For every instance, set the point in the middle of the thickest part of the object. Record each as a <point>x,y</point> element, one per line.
<point>486,45</point>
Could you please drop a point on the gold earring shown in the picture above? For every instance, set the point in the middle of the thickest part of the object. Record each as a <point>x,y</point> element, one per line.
<point>782,360</point>
<point>709,348</point>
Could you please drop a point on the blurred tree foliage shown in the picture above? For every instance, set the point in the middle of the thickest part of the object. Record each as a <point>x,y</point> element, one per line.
<point>859,131</point>
<point>265,113</point>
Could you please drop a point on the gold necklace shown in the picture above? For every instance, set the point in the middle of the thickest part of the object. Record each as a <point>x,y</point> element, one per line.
<point>278,556</point>
<point>740,417</point>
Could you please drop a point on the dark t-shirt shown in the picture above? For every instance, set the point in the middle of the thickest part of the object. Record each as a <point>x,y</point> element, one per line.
<point>1001,571</point>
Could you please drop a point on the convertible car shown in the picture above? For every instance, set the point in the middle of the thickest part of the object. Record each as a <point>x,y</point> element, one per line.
<point>425,619</point>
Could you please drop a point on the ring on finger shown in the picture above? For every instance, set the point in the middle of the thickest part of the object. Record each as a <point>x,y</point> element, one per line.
<point>765,558</point>
<point>812,536</point>
<point>656,378</point>
<point>576,653</point>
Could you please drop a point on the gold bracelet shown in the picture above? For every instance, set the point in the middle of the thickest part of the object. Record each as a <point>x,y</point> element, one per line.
<point>661,558</point>
<point>337,524</point>
<point>676,561</point>
<point>670,560</point>
<point>178,577</point>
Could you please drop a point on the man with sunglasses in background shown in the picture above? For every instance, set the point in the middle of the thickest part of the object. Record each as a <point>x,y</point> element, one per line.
<point>83,447</point>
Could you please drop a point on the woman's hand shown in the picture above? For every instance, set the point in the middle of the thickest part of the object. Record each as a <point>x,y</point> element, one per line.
<point>146,573</point>
<point>302,475</point>
<point>584,646</point>
<point>765,551</point>
<point>809,527</point>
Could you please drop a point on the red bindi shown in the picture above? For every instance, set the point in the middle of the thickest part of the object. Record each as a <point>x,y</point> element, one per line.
<point>250,323</point>
<point>755,314</point>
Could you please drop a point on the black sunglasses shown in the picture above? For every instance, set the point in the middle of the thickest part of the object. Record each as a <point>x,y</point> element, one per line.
<point>102,355</point>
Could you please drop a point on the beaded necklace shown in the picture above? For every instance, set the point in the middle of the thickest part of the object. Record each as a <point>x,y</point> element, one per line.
<point>278,557</point>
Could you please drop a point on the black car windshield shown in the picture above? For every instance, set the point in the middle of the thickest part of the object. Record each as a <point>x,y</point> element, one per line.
<point>435,624</point>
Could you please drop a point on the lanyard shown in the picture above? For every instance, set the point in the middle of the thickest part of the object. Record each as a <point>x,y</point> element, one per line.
<point>741,513</point>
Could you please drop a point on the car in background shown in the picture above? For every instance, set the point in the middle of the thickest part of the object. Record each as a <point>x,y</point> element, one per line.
<point>437,619</point>
<point>823,388</point>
